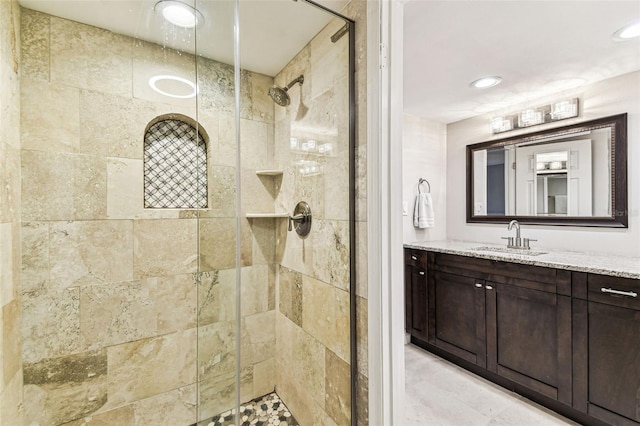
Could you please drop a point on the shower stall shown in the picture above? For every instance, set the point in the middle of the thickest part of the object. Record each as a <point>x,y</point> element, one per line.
<point>188,212</point>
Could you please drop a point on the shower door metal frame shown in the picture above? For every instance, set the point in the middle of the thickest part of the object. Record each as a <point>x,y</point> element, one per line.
<point>352,208</point>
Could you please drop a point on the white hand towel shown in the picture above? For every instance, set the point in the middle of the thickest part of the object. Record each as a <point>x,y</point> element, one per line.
<point>423,216</point>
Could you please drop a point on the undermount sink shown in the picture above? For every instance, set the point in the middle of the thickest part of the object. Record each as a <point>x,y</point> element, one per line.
<point>511,251</point>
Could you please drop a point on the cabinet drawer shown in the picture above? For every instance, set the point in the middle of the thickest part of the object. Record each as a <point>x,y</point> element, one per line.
<point>415,258</point>
<point>616,291</point>
<point>549,280</point>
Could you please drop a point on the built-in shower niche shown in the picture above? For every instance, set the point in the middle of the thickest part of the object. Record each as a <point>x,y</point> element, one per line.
<point>175,164</point>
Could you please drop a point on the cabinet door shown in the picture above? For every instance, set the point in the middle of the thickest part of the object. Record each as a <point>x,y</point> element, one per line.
<point>457,316</point>
<point>416,301</point>
<point>614,360</point>
<point>606,339</point>
<point>529,338</point>
<point>608,375</point>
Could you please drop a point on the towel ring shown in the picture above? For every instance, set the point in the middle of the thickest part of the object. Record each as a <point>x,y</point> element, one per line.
<point>420,182</point>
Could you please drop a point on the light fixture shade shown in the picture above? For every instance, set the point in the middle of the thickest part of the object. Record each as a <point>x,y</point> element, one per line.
<point>530,117</point>
<point>179,14</point>
<point>627,32</point>
<point>501,124</point>
<point>564,109</point>
<point>486,82</point>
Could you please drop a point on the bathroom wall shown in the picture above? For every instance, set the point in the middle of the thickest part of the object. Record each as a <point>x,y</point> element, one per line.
<point>312,319</point>
<point>609,97</point>
<point>110,291</point>
<point>424,155</point>
<point>11,377</point>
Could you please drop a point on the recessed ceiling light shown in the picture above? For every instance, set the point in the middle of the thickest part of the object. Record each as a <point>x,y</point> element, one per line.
<point>627,32</point>
<point>483,83</point>
<point>179,14</point>
<point>173,86</point>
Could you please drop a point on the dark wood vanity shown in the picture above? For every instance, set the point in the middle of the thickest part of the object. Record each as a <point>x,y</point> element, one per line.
<point>566,339</point>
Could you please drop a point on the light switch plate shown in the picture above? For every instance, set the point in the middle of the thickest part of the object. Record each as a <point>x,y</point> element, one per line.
<point>405,208</point>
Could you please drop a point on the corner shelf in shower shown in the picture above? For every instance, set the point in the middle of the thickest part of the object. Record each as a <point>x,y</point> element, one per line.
<point>270,172</point>
<point>266,215</point>
<point>277,215</point>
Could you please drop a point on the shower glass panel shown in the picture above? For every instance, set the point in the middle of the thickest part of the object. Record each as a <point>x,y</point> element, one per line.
<point>161,283</point>
<point>217,352</point>
<point>294,142</point>
<point>114,148</point>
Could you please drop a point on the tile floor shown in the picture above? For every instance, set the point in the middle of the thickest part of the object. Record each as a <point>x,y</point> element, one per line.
<point>266,410</point>
<point>441,393</point>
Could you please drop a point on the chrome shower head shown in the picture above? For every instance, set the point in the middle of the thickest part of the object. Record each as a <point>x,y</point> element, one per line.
<point>280,95</point>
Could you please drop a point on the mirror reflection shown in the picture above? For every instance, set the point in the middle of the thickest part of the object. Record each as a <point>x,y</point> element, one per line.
<point>561,173</point>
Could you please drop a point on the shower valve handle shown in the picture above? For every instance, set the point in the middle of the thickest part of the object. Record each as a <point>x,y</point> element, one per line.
<point>302,218</point>
<point>296,218</point>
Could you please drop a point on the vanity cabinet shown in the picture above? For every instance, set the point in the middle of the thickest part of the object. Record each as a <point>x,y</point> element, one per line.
<point>457,315</point>
<point>512,320</point>
<point>568,340</point>
<point>529,339</point>
<point>415,278</point>
<point>606,325</point>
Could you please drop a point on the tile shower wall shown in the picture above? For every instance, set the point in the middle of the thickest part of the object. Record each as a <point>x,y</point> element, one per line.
<point>111,308</point>
<point>312,319</point>
<point>11,374</point>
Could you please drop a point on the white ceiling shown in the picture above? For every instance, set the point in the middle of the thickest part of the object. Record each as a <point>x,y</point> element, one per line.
<point>537,47</point>
<point>272,32</point>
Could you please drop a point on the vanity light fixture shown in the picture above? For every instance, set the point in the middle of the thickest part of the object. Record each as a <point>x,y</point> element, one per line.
<point>501,124</point>
<point>530,117</point>
<point>486,82</point>
<point>564,109</point>
<point>172,79</point>
<point>560,110</point>
<point>179,14</point>
<point>627,32</point>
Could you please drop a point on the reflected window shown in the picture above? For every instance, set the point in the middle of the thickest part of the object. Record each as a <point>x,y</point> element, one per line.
<point>175,165</point>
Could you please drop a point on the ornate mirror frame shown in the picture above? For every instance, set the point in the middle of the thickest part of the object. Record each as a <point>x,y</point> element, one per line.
<point>618,178</point>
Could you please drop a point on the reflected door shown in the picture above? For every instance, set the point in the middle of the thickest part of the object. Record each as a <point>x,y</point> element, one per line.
<point>557,182</point>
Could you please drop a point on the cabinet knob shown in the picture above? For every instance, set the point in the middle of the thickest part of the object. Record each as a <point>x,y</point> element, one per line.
<point>414,257</point>
<point>479,285</point>
<point>421,272</point>
<point>488,287</point>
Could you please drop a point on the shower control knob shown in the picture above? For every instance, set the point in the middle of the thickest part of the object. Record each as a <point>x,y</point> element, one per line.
<point>301,219</point>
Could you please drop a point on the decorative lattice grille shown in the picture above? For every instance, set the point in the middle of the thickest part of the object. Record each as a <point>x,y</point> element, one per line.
<point>175,166</point>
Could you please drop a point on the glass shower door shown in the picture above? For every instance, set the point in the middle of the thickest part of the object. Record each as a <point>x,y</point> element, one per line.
<point>294,213</point>
<point>217,307</point>
<point>274,292</point>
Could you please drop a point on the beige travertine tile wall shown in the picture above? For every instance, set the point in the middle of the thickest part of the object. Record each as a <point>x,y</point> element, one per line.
<point>110,301</point>
<point>126,309</point>
<point>312,322</point>
<point>11,372</point>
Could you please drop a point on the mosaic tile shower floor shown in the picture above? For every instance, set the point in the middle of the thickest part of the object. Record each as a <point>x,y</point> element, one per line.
<point>262,411</point>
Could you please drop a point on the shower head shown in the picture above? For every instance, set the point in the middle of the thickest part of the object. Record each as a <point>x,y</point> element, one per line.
<point>280,95</point>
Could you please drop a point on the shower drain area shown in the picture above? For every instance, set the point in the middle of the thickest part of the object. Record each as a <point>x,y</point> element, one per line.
<point>262,411</point>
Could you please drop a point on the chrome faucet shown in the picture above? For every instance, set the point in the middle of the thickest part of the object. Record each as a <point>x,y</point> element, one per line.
<point>517,243</point>
<point>516,224</point>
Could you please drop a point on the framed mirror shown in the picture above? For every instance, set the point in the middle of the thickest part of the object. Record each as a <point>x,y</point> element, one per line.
<point>572,175</point>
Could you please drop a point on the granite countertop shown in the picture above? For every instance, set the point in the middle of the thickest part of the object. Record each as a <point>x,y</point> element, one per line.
<point>618,266</point>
